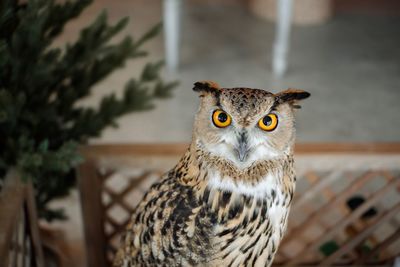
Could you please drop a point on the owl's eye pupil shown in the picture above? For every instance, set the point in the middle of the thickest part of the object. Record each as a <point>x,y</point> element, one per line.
<point>267,120</point>
<point>222,117</point>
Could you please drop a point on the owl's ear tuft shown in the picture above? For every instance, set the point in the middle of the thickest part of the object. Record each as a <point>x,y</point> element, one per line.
<point>292,96</point>
<point>204,87</point>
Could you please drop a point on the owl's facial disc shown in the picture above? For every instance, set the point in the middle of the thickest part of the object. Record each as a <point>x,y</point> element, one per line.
<point>245,125</point>
<point>241,137</point>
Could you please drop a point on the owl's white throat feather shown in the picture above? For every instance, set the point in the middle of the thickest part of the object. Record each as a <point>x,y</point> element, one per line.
<point>265,188</point>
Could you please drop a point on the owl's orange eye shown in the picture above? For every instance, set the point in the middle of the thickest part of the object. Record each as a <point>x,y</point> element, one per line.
<point>221,119</point>
<point>269,122</point>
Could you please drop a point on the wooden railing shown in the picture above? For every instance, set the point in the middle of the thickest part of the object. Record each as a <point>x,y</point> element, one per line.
<point>345,210</point>
<point>19,236</point>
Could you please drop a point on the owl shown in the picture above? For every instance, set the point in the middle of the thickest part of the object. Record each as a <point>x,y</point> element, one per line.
<point>226,202</point>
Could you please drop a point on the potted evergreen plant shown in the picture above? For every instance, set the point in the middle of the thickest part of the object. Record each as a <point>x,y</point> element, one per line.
<point>40,124</point>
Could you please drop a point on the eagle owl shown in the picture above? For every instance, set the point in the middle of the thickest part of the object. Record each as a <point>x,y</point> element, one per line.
<point>226,202</point>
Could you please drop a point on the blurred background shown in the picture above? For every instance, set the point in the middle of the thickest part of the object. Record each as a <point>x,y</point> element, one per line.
<point>346,53</point>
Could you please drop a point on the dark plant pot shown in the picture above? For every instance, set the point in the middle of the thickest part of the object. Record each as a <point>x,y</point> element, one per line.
<point>55,248</point>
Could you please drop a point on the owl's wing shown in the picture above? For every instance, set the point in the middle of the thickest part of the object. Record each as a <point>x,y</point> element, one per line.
<point>169,227</point>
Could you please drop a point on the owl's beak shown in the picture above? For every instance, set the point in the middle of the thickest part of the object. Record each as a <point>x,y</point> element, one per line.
<point>242,148</point>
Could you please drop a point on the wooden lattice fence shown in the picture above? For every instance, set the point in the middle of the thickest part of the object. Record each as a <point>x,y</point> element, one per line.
<point>346,209</point>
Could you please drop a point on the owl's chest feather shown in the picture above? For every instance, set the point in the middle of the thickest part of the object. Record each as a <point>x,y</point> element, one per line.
<point>251,223</point>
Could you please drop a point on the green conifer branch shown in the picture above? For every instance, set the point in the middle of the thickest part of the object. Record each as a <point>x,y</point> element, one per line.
<point>41,124</point>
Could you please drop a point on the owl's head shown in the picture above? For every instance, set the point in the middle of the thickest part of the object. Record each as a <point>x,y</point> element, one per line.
<point>244,125</point>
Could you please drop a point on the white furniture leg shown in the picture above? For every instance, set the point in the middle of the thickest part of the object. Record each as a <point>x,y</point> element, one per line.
<point>172,14</point>
<point>396,262</point>
<point>282,34</point>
